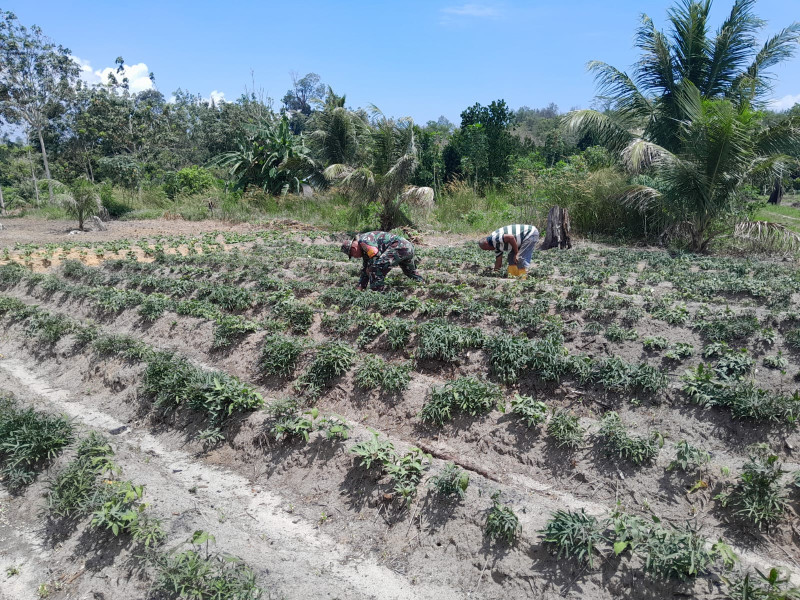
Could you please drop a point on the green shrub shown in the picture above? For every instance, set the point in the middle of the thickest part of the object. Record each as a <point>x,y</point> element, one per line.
<point>202,575</point>
<point>677,552</point>
<point>333,359</point>
<point>375,373</point>
<point>776,362</point>
<point>615,333</point>
<point>655,343</point>
<point>75,490</point>
<point>398,332</point>
<point>230,328</point>
<point>440,340</point>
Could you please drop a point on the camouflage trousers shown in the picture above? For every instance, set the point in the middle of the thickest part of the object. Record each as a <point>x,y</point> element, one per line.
<point>400,254</point>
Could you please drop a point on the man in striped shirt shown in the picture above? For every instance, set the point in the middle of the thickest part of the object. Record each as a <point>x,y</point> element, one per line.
<point>519,241</point>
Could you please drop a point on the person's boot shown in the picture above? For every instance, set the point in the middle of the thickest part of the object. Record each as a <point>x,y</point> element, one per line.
<point>512,270</point>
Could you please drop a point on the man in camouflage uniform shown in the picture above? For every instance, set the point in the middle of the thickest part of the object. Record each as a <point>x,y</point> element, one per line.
<point>380,251</point>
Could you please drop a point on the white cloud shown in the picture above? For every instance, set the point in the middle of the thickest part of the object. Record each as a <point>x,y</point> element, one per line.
<point>138,75</point>
<point>218,97</point>
<point>785,103</point>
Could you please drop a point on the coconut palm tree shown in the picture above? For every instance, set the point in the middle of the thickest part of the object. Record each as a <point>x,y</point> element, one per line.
<point>384,179</point>
<point>687,115</point>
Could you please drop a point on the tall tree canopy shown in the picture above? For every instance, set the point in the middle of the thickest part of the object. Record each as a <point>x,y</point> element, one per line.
<point>37,80</point>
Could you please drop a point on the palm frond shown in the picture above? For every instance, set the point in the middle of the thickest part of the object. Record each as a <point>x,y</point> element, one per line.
<point>751,85</point>
<point>732,47</point>
<point>641,197</point>
<point>655,69</point>
<point>689,20</point>
<point>768,237</point>
<point>640,155</point>
<point>608,129</point>
<point>781,138</point>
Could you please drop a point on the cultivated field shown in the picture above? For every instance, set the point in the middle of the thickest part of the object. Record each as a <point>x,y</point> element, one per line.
<point>588,433</point>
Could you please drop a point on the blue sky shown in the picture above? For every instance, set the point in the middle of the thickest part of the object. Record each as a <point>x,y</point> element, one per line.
<point>417,58</point>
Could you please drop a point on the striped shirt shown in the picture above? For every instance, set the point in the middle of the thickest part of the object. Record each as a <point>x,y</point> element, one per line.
<point>520,232</point>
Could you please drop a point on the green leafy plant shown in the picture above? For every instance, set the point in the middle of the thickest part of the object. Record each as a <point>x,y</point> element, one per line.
<point>775,585</point>
<point>529,411</point>
<point>655,343</point>
<point>375,372</point>
<point>565,429</point>
<point>288,422</point>
<point>758,497</point>
<point>501,522</point>
<point>451,482</point>
<point>374,451</point>
<point>279,355</point>
<point>678,552</point>
<point>636,449</point>
<point>778,362</point>
<point>688,457</point>
<point>75,491</point>
<point>230,328</point>
<point>466,394</point>
<point>333,359</point>
<point>398,332</point>
<point>440,340</point>
<point>615,333</point>
<point>406,472</point>
<point>202,575</point>
<point>575,534</point>
<point>28,441</point>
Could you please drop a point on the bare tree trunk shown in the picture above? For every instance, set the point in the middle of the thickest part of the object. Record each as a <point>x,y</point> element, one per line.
<point>777,192</point>
<point>35,181</point>
<point>46,167</point>
<point>2,202</point>
<point>558,229</point>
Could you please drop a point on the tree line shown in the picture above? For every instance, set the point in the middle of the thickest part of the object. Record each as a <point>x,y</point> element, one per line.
<point>682,140</point>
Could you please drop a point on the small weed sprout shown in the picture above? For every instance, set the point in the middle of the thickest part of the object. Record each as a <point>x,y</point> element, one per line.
<point>501,522</point>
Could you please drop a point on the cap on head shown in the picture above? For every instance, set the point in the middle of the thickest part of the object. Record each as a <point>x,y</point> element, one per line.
<point>347,248</point>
